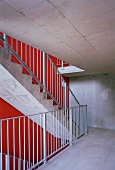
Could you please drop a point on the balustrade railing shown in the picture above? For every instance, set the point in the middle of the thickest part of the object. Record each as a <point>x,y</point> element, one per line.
<point>27,142</point>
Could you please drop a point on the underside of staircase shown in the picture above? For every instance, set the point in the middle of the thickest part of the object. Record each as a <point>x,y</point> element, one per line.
<point>15,69</point>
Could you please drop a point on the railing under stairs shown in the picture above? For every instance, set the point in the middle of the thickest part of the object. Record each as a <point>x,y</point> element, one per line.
<point>27,142</point>
<point>42,69</point>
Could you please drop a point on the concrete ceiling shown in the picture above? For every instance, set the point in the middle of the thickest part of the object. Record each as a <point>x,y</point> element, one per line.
<point>80,32</point>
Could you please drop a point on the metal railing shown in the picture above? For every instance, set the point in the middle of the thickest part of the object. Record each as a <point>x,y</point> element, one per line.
<point>36,138</point>
<point>43,71</point>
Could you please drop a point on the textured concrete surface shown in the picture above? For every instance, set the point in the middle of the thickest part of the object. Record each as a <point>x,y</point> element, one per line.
<point>81,32</point>
<point>95,151</point>
<point>98,92</point>
<point>15,94</point>
<point>26,81</point>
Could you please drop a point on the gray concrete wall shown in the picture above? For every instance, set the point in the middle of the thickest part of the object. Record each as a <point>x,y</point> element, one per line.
<point>98,92</point>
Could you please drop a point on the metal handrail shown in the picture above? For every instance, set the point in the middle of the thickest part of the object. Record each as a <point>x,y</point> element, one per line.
<point>30,72</point>
<point>63,79</point>
<point>41,113</point>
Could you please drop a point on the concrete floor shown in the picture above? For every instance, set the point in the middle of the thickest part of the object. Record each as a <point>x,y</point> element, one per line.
<point>95,151</point>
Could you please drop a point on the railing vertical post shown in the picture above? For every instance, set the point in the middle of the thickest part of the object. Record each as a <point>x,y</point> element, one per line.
<point>65,95</point>
<point>1,161</point>
<point>44,70</point>
<point>29,141</point>
<point>37,137</point>
<point>7,162</point>
<point>24,145</point>
<point>44,137</point>
<point>5,54</point>
<point>7,156</point>
<point>5,41</point>
<point>14,144</point>
<point>70,125</point>
<point>79,122</point>
<point>19,166</point>
<point>62,64</point>
<point>33,142</point>
<point>86,131</point>
<point>19,162</point>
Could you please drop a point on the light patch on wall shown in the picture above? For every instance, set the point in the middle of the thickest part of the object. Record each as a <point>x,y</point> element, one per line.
<point>69,69</point>
<point>105,93</point>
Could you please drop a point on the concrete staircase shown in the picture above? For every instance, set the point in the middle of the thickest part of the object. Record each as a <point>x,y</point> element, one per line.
<point>25,80</point>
